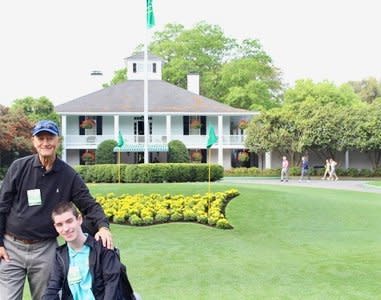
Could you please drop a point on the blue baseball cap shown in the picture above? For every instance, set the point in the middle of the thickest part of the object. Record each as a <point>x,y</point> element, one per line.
<point>45,126</point>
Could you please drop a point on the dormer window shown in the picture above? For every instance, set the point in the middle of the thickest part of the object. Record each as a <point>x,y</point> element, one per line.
<point>154,68</point>
<point>134,67</point>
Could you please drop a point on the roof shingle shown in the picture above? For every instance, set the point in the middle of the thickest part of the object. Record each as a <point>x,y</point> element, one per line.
<point>162,97</point>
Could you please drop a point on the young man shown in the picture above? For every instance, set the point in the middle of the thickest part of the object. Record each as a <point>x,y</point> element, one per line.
<point>31,188</point>
<point>83,268</point>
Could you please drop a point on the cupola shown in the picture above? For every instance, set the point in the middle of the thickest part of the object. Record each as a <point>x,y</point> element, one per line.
<point>135,67</point>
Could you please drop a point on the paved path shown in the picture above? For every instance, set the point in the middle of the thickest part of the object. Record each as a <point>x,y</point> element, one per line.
<point>354,185</point>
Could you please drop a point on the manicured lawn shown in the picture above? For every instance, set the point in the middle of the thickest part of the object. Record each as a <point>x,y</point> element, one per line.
<point>287,243</point>
<point>375,183</point>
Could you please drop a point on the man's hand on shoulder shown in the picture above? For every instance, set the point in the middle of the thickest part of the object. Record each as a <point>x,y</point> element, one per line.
<point>4,254</point>
<point>105,235</point>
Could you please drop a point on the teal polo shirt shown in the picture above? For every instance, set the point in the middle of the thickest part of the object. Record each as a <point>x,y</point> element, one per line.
<point>79,277</point>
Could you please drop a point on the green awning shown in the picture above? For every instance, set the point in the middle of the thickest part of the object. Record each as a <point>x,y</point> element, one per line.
<point>140,148</point>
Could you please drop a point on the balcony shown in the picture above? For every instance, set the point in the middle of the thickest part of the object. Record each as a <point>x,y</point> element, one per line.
<point>190,141</point>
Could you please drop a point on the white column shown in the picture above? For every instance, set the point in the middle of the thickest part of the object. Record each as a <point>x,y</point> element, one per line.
<point>268,160</point>
<point>116,127</point>
<point>220,141</point>
<point>168,128</point>
<point>63,135</point>
<point>346,159</point>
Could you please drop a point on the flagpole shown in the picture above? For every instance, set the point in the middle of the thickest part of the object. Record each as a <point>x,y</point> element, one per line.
<point>212,139</point>
<point>150,22</point>
<point>119,145</point>
<point>146,125</point>
<point>209,154</point>
<point>209,195</point>
<point>119,165</point>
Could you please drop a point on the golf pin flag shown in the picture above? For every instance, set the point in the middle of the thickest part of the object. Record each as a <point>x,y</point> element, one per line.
<point>120,140</point>
<point>212,138</point>
<point>150,15</point>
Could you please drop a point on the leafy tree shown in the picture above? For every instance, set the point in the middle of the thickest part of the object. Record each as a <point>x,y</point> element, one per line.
<point>105,152</point>
<point>36,109</point>
<point>274,130</point>
<point>239,74</point>
<point>364,132</point>
<point>177,152</point>
<point>320,128</point>
<point>367,89</point>
<point>15,132</point>
<point>249,80</point>
<point>119,77</point>
<point>321,93</point>
<point>184,51</point>
<point>311,119</point>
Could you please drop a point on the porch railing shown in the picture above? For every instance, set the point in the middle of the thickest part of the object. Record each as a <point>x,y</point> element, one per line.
<point>190,141</point>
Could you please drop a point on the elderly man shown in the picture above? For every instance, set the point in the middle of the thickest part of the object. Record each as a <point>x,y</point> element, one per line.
<point>32,187</point>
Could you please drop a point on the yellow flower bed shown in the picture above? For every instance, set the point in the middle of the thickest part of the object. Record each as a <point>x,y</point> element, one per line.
<point>140,209</point>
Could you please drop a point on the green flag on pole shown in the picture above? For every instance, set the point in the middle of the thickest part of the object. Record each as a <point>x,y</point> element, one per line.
<point>212,139</point>
<point>120,140</point>
<point>150,16</point>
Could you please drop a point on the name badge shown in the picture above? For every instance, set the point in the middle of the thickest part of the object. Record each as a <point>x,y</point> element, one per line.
<point>73,276</point>
<point>34,197</point>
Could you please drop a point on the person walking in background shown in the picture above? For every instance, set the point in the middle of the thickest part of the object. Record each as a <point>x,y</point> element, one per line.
<point>304,170</point>
<point>284,170</point>
<point>332,174</point>
<point>31,188</point>
<point>327,170</point>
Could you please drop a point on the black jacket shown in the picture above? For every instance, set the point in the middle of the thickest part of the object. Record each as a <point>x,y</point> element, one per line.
<point>104,266</point>
<point>61,183</point>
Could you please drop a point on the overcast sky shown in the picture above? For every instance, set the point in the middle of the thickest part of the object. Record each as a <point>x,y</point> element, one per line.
<point>49,47</point>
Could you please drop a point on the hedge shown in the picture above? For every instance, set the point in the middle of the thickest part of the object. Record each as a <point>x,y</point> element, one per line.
<point>150,173</point>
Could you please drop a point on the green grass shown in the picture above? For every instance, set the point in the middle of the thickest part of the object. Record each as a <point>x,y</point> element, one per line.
<point>375,183</point>
<point>287,243</point>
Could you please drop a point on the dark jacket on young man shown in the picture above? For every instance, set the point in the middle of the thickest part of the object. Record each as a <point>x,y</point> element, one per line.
<point>104,267</point>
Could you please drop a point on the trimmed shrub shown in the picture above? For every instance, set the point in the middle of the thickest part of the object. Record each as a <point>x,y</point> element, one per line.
<point>148,173</point>
<point>189,215</point>
<point>253,171</point>
<point>352,172</point>
<point>135,220</point>
<point>202,218</point>
<point>294,171</point>
<point>177,152</point>
<point>377,172</point>
<point>162,215</point>
<point>176,216</point>
<point>172,173</point>
<point>365,173</point>
<point>270,172</point>
<point>104,153</point>
<point>223,224</point>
